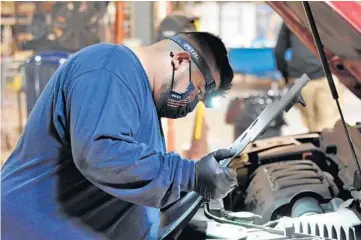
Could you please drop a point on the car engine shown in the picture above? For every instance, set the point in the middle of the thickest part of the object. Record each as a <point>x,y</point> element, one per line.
<point>292,187</point>
<point>297,184</point>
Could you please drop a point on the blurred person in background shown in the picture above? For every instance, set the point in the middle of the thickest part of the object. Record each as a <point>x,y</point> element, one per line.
<point>321,111</point>
<point>179,20</point>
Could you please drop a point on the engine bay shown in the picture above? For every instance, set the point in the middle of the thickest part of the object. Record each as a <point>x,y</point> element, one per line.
<point>289,185</point>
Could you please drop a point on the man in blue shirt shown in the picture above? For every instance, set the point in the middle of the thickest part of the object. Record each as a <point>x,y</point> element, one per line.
<point>91,161</point>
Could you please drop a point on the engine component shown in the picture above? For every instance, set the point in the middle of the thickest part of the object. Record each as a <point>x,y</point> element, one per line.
<point>274,142</point>
<point>204,225</point>
<point>256,232</point>
<point>289,230</point>
<point>277,185</point>
<point>225,231</point>
<point>342,156</point>
<point>341,225</point>
<point>306,206</point>
<point>246,217</point>
<point>284,152</point>
<point>333,205</point>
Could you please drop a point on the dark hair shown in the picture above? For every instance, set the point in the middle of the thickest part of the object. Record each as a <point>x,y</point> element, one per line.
<point>212,47</point>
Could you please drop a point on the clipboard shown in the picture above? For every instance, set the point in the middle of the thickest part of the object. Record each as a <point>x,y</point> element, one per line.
<point>260,124</point>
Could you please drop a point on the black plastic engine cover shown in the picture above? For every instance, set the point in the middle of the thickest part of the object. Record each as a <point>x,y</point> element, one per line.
<point>277,184</point>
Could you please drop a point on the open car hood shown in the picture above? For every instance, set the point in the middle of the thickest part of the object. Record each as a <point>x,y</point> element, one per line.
<point>339,26</point>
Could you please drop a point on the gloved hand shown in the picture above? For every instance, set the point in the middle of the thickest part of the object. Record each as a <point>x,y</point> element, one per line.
<point>211,180</point>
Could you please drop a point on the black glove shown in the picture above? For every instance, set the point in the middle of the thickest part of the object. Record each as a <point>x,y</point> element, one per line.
<point>211,180</point>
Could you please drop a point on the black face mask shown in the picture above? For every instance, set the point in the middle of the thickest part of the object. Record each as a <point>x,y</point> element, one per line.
<point>178,105</point>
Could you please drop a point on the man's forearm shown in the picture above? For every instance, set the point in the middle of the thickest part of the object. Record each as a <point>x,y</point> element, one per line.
<point>135,172</point>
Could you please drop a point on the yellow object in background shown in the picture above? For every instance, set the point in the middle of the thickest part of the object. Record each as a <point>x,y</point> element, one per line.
<point>199,120</point>
<point>196,24</point>
<point>16,83</point>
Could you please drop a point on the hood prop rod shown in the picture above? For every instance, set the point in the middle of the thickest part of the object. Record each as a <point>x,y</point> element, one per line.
<point>331,83</point>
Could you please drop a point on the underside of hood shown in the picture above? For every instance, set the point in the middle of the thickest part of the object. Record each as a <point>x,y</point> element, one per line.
<point>339,26</point>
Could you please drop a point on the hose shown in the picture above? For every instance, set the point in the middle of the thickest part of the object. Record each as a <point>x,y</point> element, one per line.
<point>305,207</point>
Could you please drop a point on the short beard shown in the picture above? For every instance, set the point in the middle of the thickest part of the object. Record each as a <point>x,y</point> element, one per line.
<point>160,102</point>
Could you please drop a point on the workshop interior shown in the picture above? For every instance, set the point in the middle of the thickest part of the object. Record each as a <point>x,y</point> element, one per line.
<point>296,138</point>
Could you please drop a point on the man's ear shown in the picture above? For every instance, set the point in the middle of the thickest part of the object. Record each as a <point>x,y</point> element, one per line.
<point>179,58</point>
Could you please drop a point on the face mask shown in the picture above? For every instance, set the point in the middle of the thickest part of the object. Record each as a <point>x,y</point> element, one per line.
<point>178,105</point>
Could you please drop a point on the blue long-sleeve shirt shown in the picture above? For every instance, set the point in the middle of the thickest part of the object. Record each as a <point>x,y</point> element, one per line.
<point>91,161</point>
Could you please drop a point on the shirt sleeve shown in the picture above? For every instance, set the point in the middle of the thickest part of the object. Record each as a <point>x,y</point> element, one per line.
<point>283,43</point>
<point>104,116</point>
